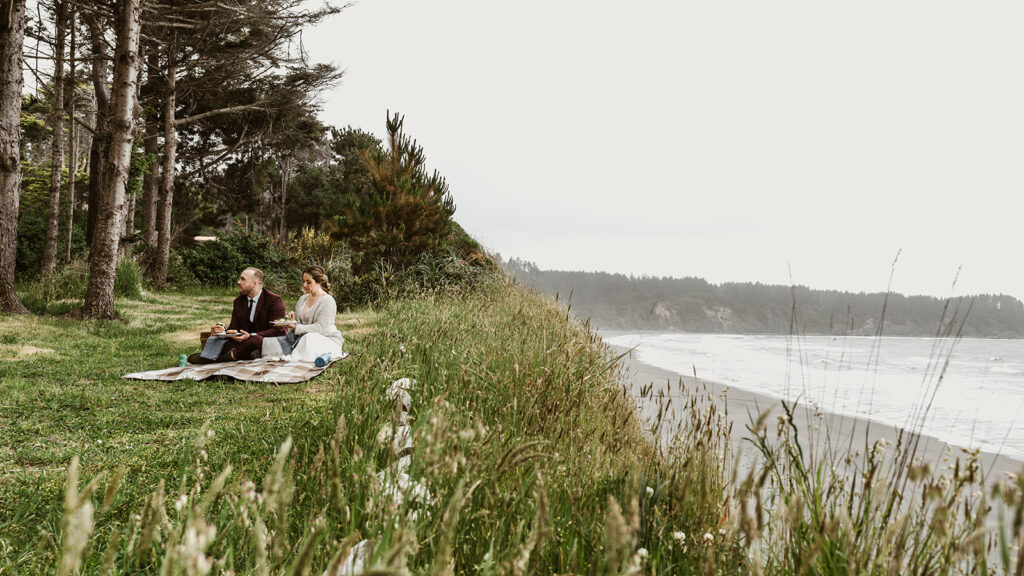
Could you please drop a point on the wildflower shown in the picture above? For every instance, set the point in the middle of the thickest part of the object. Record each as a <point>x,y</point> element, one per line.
<point>650,491</point>
<point>209,434</point>
<point>708,538</point>
<point>721,531</point>
<point>642,554</point>
<point>679,536</point>
<point>181,502</point>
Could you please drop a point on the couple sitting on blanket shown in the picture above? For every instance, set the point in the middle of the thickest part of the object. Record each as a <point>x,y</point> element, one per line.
<point>253,331</point>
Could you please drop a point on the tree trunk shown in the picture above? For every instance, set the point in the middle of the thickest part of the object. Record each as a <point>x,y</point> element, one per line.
<point>286,171</point>
<point>99,298</point>
<point>163,251</point>
<point>72,149</point>
<point>151,182</point>
<point>151,145</point>
<point>100,137</point>
<point>57,146</point>
<point>129,216</point>
<point>12,34</point>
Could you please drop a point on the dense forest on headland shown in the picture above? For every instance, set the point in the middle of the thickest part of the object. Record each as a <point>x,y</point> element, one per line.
<point>620,302</point>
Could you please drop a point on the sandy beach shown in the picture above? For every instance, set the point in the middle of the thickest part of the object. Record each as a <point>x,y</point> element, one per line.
<point>831,432</point>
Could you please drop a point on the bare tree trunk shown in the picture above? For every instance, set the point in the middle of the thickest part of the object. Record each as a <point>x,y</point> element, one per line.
<point>286,172</point>
<point>72,149</point>
<point>151,145</point>
<point>12,34</point>
<point>57,146</point>
<point>99,298</point>
<point>100,142</point>
<point>151,182</point>
<point>163,248</point>
<point>129,216</point>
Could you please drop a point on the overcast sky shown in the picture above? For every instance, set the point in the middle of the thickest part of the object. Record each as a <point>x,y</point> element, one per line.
<point>779,142</point>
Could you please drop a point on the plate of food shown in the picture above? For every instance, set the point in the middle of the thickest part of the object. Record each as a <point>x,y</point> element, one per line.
<point>283,322</point>
<point>227,334</point>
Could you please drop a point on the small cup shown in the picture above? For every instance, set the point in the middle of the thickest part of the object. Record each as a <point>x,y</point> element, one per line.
<point>182,359</point>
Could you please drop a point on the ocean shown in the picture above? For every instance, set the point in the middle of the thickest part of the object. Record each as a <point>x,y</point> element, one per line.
<point>967,392</point>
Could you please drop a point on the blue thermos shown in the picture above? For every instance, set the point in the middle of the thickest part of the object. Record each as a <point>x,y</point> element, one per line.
<point>322,360</point>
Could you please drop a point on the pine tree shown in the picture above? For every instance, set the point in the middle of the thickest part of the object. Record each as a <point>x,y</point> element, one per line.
<point>402,212</point>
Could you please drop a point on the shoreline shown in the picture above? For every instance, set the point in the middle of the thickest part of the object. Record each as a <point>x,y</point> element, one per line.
<point>821,430</point>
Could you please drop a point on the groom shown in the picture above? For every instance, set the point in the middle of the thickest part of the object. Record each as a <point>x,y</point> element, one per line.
<point>251,315</point>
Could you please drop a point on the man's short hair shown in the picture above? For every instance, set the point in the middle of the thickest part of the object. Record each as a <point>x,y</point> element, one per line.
<point>257,274</point>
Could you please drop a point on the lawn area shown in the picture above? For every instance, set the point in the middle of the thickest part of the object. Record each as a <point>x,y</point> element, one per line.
<point>63,396</point>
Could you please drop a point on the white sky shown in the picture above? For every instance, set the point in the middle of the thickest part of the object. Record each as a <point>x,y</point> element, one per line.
<point>731,140</point>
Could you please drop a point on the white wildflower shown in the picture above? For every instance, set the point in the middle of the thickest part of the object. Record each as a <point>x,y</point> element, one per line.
<point>708,538</point>
<point>650,491</point>
<point>642,553</point>
<point>679,536</point>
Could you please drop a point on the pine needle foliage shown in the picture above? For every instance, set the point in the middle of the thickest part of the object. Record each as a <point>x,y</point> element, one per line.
<point>402,211</point>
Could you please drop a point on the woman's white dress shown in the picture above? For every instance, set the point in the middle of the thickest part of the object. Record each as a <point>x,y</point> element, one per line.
<point>315,332</point>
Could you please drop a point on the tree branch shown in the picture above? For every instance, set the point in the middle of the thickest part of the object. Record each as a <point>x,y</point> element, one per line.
<point>197,117</point>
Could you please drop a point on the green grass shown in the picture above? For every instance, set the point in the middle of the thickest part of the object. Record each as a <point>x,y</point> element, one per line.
<point>521,436</point>
<point>526,458</point>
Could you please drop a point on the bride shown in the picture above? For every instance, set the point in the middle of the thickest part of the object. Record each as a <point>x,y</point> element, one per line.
<point>313,332</point>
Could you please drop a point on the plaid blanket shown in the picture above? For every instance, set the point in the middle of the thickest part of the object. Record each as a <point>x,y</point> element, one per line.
<point>259,370</point>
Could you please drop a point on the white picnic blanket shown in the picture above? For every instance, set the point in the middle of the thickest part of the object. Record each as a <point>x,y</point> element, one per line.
<point>259,370</point>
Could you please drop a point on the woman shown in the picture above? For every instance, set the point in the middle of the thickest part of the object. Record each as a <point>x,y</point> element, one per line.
<point>313,332</point>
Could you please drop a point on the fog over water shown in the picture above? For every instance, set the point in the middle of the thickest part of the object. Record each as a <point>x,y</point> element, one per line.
<point>967,392</point>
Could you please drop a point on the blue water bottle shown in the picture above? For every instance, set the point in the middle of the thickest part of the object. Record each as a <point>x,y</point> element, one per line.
<point>322,360</point>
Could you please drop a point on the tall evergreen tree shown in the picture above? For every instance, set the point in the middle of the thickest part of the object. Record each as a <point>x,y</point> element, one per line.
<point>403,211</point>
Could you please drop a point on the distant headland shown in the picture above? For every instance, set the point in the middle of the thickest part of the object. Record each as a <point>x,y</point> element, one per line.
<point>620,302</point>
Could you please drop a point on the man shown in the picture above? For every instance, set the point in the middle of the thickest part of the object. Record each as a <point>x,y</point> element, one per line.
<point>251,314</point>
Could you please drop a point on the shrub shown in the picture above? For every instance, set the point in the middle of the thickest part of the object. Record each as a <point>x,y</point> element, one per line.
<point>128,279</point>
<point>284,280</point>
<point>311,246</point>
<point>433,272</point>
<point>68,282</point>
<point>219,263</point>
<point>178,274</point>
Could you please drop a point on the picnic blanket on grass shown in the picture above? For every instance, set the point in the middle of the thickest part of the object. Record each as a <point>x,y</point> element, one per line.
<point>259,370</point>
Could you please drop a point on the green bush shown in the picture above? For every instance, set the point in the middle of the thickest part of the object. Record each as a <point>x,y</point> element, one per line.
<point>218,263</point>
<point>433,272</point>
<point>311,246</point>
<point>128,279</point>
<point>178,274</point>
<point>284,280</point>
<point>66,283</point>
